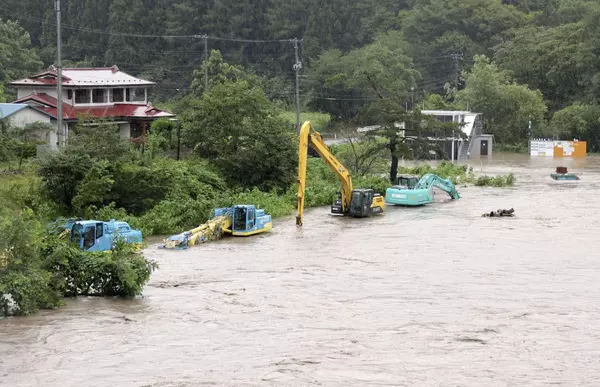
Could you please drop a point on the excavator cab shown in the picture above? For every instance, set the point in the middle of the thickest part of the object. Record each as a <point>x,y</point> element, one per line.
<point>365,202</point>
<point>240,218</point>
<point>360,203</point>
<point>406,182</point>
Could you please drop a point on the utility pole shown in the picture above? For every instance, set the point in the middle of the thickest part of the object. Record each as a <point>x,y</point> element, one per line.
<point>205,63</point>
<point>412,107</point>
<point>529,136</point>
<point>59,118</point>
<point>178,139</point>
<point>456,57</point>
<point>297,67</point>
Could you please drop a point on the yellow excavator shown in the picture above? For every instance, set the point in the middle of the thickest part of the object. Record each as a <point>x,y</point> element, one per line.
<point>358,203</point>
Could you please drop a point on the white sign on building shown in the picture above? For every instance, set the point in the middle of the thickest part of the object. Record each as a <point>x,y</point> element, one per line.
<point>542,148</point>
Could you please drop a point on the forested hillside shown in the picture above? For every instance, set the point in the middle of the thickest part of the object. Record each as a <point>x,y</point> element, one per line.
<point>518,60</point>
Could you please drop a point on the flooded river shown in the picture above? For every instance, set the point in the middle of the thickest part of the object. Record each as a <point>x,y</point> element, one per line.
<point>418,297</point>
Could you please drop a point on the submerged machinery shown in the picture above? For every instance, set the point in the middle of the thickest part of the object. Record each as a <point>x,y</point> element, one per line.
<point>563,174</point>
<point>96,235</point>
<point>358,203</point>
<point>412,191</point>
<point>239,220</point>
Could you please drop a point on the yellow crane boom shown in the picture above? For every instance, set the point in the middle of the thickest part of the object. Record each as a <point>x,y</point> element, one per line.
<point>308,136</point>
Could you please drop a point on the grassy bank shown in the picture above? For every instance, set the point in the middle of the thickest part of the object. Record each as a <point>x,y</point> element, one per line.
<point>190,190</point>
<point>512,148</point>
<point>460,174</point>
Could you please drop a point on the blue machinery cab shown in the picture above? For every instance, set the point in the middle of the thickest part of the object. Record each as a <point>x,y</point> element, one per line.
<point>246,219</point>
<point>95,235</point>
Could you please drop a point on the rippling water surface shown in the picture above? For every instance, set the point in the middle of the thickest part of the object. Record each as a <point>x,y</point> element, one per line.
<point>419,297</point>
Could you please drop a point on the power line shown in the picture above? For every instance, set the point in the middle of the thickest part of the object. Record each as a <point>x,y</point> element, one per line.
<point>130,35</point>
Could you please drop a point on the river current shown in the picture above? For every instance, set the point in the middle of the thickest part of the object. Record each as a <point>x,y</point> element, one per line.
<point>431,296</point>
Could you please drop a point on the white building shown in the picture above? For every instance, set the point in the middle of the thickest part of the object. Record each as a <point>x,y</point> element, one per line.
<point>475,143</point>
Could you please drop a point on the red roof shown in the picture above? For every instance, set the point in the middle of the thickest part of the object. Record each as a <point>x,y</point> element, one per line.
<point>117,110</point>
<point>41,98</point>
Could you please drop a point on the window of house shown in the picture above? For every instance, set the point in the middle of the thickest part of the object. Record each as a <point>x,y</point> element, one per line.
<point>69,94</point>
<point>117,95</point>
<point>82,96</point>
<point>135,130</point>
<point>99,96</point>
<point>136,94</point>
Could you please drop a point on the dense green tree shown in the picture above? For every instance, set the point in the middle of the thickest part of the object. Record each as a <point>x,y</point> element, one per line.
<point>507,107</point>
<point>24,285</point>
<point>553,60</point>
<point>382,69</point>
<point>249,144</point>
<point>218,72</point>
<point>98,139</point>
<point>579,121</point>
<point>437,29</point>
<point>17,56</point>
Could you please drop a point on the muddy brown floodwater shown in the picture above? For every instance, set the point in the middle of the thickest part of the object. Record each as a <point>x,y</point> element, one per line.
<point>418,297</point>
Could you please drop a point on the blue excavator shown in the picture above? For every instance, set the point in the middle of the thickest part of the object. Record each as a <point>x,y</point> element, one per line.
<point>97,235</point>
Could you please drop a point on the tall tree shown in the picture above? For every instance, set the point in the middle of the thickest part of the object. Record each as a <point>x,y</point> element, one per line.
<point>579,121</point>
<point>234,126</point>
<point>437,29</point>
<point>507,107</point>
<point>379,70</point>
<point>17,56</point>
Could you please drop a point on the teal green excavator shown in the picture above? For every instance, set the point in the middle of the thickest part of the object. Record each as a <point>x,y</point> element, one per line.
<point>412,191</point>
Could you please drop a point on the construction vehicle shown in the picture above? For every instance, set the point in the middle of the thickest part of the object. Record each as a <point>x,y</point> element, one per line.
<point>239,220</point>
<point>412,191</point>
<point>358,203</point>
<point>97,235</point>
<point>563,174</point>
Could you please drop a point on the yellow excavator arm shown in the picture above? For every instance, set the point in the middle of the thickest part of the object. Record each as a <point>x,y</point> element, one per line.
<point>309,136</point>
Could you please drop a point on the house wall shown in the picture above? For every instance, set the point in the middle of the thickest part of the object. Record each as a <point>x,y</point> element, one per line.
<point>476,148</point>
<point>24,91</point>
<point>27,116</point>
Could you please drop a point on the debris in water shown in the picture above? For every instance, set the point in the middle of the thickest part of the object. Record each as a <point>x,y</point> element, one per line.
<point>471,340</point>
<point>499,212</point>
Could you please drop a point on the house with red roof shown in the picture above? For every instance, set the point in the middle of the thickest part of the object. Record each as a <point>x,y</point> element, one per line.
<point>103,92</point>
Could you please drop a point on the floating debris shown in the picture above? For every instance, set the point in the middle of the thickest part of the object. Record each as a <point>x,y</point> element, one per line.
<point>500,212</point>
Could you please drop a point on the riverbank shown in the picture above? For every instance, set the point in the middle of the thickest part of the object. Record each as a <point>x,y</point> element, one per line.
<point>164,196</point>
<point>186,207</point>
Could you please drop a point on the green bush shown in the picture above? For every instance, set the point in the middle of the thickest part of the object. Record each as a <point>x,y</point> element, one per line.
<point>376,183</point>
<point>459,174</point>
<point>498,181</point>
<point>38,268</point>
<point>24,284</point>
<point>119,272</point>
